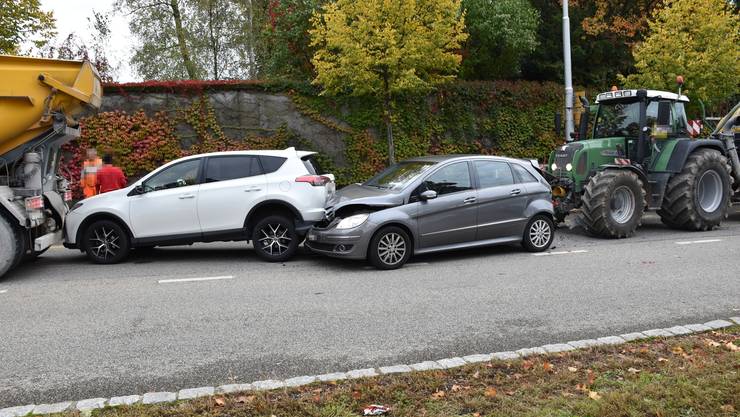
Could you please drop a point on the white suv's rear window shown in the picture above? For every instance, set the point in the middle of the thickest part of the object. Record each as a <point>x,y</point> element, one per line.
<point>271,164</point>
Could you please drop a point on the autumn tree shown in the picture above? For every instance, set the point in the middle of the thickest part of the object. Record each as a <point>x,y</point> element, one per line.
<point>501,33</point>
<point>193,39</point>
<point>697,39</point>
<point>23,21</point>
<point>384,48</point>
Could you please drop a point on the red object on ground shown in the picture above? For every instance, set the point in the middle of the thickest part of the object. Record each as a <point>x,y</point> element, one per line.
<point>375,410</point>
<point>110,178</point>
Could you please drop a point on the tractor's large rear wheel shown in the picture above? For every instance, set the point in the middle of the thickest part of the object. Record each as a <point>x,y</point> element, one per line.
<point>698,198</point>
<point>11,245</point>
<point>613,203</point>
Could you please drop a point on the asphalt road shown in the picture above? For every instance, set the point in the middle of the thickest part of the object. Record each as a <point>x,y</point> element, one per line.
<point>71,330</point>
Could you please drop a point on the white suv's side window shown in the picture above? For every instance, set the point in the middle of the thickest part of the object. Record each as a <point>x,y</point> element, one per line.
<point>224,168</point>
<point>179,175</point>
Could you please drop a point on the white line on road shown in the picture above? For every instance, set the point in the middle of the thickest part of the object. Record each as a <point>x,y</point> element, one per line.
<point>691,242</point>
<point>169,281</point>
<point>3,291</point>
<point>565,252</point>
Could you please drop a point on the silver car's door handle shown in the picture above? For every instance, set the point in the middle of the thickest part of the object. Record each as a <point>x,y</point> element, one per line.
<point>469,200</point>
<point>516,192</point>
<point>186,197</point>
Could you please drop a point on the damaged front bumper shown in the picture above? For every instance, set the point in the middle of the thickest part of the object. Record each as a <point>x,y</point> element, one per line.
<point>340,243</point>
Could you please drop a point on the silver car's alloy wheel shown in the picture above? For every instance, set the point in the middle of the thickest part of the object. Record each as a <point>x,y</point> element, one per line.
<point>622,204</point>
<point>539,233</point>
<point>105,243</point>
<point>391,248</point>
<point>275,240</point>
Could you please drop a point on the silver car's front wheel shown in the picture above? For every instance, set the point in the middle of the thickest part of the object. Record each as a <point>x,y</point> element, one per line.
<point>390,248</point>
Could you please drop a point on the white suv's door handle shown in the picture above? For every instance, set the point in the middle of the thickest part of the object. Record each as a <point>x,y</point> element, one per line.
<point>186,197</point>
<point>249,190</point>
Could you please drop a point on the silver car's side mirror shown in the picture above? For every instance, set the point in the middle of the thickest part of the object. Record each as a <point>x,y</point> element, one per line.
<point>428,195</point>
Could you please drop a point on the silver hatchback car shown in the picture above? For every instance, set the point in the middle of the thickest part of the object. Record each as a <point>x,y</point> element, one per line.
<point>437,203</point>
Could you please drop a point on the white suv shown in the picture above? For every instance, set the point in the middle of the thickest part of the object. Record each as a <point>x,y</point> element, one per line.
<point>269,197</point>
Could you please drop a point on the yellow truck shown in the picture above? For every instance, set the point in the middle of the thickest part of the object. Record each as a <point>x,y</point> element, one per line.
<point>40,100</point>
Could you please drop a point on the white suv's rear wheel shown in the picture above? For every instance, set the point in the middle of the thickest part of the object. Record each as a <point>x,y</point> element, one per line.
<point>274,239</point>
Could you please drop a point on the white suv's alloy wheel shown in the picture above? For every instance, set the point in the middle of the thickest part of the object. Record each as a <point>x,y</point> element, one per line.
<point>276,239</point>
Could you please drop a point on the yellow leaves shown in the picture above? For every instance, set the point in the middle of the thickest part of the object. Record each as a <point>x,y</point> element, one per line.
<point>594,395</point>
<point>220,401</point>
<point>572,369</point>
<point>386,46</point>
<point>547,366</point>
<point>711,343</point>
<point>438,395</point>
<point>732,346</point>
<point>490,392</point>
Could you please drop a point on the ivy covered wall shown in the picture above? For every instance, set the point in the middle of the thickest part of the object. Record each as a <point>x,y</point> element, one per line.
<point>146,124</point>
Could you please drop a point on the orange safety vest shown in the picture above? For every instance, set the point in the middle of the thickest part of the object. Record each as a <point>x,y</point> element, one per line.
<point>89,177</point>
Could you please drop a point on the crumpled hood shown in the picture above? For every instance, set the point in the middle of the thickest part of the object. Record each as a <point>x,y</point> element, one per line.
<point>359,194</point>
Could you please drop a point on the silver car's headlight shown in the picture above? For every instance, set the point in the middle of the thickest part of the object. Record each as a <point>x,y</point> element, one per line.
<point>353,221</point>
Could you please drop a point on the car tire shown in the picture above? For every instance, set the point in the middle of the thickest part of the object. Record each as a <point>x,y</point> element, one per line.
<point>539,234</point>
<point>106,242</point>
<point>274,239</point>
<point>390,248</point>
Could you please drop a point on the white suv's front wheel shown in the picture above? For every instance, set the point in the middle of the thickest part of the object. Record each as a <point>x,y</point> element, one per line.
<point>105,242</point>
<point>274,239</point>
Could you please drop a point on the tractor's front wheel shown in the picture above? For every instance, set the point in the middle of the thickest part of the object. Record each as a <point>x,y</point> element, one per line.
<point>613,203</point>
<point>698,198</point>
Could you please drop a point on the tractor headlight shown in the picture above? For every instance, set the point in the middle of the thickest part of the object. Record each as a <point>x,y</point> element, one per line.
<point>569,167</point>
<point>554,166</point>
<point>353,221</point>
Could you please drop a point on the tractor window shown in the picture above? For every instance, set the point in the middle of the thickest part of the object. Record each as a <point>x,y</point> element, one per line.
<point>623,119</point>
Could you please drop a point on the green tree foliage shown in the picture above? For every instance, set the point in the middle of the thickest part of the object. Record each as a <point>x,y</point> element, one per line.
<point>284,49</point>
<point>22,21</point>
<point>698,39</point>
<point>384,48</point>
<point>501,32</point>
<point>193,39</point>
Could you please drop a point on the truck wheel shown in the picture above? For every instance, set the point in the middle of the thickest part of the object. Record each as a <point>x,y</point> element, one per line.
<point>11,245</point>
<point>274,239</point>
<point>698,198</point>
<point>105,242</point>
<point>613,203</point>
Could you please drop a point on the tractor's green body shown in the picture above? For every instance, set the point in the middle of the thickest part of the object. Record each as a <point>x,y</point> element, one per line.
<point>640,134</point>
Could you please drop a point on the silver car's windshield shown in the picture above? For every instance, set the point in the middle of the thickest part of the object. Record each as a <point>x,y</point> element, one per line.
<point>397,176</point>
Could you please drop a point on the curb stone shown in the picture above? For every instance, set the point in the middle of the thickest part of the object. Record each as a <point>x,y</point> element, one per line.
<point>395,369</point>
<point>191,393</point>
<point>158,397</point>
<point>718,324</point>
<point>52,408</point>
<point>17,411</point>
<point>232,388</point>
<point>90,404</point>
<point>86,406</point>
<point>451,362</point>
<point>425,366</point>
<point>124,400</point>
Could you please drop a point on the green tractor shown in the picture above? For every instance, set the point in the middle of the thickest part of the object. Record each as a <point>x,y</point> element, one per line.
<point>640,157</point>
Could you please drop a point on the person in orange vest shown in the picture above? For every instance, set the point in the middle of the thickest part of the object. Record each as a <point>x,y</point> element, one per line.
<point>89,173</point>
<point>110,177</point>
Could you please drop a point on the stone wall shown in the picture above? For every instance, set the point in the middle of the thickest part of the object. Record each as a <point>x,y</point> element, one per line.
<point>240,113</point>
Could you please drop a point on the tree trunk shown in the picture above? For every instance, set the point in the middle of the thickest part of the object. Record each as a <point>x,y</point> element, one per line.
<point>250,38</point>
<point>214,43</point>
<point>184,51</point>
<point>388,116</point>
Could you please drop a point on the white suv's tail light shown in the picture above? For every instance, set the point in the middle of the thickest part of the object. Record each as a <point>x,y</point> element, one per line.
<point>35,203</point>
<point>315,180</point>
<point>68,195</point>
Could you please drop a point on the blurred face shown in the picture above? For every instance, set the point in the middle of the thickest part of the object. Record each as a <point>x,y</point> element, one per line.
<point>92,154</point>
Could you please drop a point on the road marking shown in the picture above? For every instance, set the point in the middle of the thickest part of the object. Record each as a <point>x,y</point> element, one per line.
<point>3,291</point>
<point>691,242</point>
<point>169,281</point>
<point>565,252</point>
<point>417,264</point>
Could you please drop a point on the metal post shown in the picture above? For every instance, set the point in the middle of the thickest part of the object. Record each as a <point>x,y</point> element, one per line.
<point>568,74</point>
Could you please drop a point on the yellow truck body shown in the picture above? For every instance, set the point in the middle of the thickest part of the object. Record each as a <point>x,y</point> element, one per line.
<point>31,89</point>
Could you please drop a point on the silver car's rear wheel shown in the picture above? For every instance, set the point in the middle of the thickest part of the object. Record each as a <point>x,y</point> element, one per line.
<point>539,233</point>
